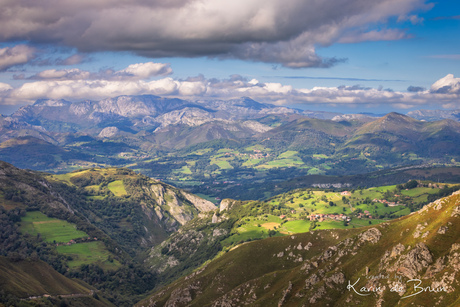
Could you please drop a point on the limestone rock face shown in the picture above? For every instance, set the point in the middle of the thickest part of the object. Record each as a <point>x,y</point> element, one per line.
<point>226,204</point>
<point>201,204</point>
<point>415,261</point>
<point>109,132</point>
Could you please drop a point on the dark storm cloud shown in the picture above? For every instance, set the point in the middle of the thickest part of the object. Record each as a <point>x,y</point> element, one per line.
<point>273,31</point>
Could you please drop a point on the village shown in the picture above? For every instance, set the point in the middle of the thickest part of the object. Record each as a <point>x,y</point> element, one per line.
<point>343,217</point>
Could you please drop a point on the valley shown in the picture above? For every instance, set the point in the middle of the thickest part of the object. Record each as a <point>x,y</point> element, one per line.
<point>239,149</point>
<point>126,199</point>
<point>96,225</point>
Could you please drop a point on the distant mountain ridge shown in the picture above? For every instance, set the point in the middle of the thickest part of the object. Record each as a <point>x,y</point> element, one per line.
<point>433,115</point>
<point>148,113</point>
<point>140,111</point>
<point>191,142</point>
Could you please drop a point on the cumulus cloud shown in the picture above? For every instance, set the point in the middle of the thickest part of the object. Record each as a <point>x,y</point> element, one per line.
<point>17,55</point>
<point>447,85</point>
<point>75,84</point>
<point>5,87</point>
<point>273,31</point>
<point>65,74</point>
<point>145,70</point>
<point>94,89</point>
<point>139,71</point>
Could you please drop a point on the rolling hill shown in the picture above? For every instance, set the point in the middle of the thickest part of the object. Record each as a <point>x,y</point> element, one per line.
<point>409,261</point>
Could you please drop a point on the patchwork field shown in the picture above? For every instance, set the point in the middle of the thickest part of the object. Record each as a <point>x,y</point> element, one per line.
<point>303,210</point>
<point>64,234</point>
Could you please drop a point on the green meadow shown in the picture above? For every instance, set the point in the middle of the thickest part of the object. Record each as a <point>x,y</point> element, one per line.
<point>55,230</point>
<point>117,188</point>
<point>50,229</point>
<point>88,253</point>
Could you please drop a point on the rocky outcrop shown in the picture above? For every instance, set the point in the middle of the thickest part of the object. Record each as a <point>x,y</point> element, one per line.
<point>180,297</point>
<point>285,294</point>
<point>108,132</point>
<point>225,204</point>
<point>372,235</point>
<point>416,260</point>
<point>201,204</point>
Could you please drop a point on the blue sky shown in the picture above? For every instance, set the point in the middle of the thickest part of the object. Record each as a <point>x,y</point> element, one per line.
<point>343,55</point>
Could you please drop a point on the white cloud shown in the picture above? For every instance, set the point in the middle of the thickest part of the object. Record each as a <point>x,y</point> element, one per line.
<point>447,85</point>
<point>443,92</point>
<point>17,55</point>
<point>145,70</point>
<point>5,87</point>
<point>275,31</point>
<point>192,88</point>
<point>138,71</point>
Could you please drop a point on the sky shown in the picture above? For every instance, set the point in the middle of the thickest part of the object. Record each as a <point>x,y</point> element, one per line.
<point>347,56</point>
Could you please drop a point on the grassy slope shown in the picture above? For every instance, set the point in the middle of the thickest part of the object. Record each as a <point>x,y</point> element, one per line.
<point>50,229</point>
<point>41,279</point>
<point>267,272</point>
<point>89,253</point>
<point>60,231</point>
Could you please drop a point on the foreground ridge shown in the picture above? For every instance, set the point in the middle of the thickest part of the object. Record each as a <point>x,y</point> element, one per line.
<point>411,260</point>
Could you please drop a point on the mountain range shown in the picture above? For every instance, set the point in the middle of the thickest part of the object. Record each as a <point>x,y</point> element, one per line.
<point>199,144</point>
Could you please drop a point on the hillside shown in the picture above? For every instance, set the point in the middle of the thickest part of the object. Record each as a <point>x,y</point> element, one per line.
<point>133,208</point>
<point>125,234</point>
<point>409,261</point>
<point>93,225</point>
<point>297,211</point>
<point>43,284</point>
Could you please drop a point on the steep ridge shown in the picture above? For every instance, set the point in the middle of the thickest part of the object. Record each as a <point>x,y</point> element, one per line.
<point>134,209</point>
<point>413,260</point>
<point>93,225</point>
<point>41,280</point>
<point>152,209</point>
